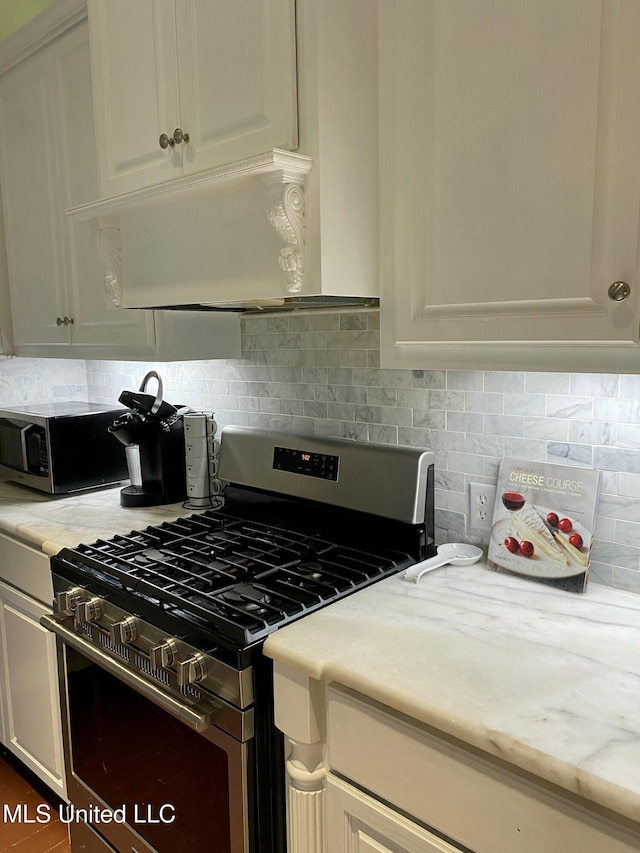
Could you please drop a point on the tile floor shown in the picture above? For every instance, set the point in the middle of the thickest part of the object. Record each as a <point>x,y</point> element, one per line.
<point>16,788</point>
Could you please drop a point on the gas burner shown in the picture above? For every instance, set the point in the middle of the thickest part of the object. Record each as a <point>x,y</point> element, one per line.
<point>246,597</point>
<point>312,570</point>
<point>219,536</point>
<point>150,557</point>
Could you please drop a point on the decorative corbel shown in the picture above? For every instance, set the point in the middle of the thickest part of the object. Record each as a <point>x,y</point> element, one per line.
<point>285,210</point>
<point>110,243</point>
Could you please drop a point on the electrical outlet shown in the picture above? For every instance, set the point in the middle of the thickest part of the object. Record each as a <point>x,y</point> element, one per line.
<point>482,497</point>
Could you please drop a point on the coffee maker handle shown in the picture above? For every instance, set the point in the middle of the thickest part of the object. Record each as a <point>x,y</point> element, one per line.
<point>152,374</point>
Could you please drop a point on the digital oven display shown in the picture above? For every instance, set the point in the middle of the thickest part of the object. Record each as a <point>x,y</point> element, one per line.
<point>321,465</point>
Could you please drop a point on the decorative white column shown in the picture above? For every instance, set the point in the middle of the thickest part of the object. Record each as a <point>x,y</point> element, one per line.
<point>300,715</point>
<point>306,774</point>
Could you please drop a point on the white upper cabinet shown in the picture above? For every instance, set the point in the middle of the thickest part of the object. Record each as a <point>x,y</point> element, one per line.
<point>220,72</point>
<point>30,199</point>
<point>59,303</point>
<point>510,189</point>
<point>47,161</point>
<point>230,214</point>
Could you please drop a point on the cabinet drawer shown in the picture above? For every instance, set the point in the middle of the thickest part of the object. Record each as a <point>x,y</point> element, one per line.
<point>468,799</point>
<point>357,823</point>
<point>26,569</point>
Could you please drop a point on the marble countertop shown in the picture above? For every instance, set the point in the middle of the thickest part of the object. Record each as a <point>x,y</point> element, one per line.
<point>51,523</point>
<point>546,680</point>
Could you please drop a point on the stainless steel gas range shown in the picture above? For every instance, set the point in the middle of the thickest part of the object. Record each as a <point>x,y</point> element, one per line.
<point>167,698</point>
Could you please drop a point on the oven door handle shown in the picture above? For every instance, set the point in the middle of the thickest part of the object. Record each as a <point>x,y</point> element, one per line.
<point>196,720</point>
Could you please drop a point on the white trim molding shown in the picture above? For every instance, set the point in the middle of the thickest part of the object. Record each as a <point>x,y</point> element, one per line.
<point>40,30</point>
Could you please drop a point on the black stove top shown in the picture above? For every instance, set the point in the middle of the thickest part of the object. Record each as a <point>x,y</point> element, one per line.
<point>232,573</point>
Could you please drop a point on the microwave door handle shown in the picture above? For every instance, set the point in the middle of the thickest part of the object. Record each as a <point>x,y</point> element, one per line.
<point>23,447</point>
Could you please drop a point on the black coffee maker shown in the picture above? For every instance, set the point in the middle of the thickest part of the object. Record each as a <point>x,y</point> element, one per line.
<point>152,432</point>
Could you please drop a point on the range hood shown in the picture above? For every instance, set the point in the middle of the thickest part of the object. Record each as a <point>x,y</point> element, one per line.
<point>241,237</point>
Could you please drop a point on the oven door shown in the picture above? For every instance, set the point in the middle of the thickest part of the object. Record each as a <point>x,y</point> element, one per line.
<point>147,775</point>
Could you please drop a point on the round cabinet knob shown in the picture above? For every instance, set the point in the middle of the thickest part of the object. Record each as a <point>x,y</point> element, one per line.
<point>163,655</point>
<point>180,136</point>
<point>64,321</point>
<point>191,670</point>
<point>618,291</point>
<point>169,141</point>
<point>125,631</point>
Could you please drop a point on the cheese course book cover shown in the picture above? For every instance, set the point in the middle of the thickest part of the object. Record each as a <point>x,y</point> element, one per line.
<point>543,522</point>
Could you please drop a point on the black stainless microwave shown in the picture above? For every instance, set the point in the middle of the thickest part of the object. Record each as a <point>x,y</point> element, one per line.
<point>61,447</point>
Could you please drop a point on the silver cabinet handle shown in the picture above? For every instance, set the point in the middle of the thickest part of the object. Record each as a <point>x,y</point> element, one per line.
<point>169,141</point>
<point>618,291</point>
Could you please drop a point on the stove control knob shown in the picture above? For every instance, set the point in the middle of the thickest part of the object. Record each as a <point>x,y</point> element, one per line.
<point>89,610</point>
<point>124,631</point>
<point>191,670</point>
<point>164,654</point>
<point>66,601</point>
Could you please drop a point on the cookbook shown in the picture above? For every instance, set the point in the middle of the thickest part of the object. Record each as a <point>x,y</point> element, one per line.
<point>543,521</point>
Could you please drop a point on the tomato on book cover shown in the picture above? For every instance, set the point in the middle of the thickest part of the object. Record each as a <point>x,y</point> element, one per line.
<point>543,522</point>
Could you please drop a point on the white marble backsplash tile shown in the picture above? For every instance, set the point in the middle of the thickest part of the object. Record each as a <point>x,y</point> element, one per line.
<point>30,380</point>
<point>319,372</point>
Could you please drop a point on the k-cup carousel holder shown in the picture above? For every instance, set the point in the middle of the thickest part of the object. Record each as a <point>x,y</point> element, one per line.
<point>201,450</point>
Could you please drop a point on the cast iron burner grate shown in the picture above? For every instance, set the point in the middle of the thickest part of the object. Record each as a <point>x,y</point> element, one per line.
<point>238,575</point>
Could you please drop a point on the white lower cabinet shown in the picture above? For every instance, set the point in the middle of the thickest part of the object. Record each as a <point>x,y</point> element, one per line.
<point>357,823</point>
<point>364,778</point>
<point>30,703</point>
<point>483,805</point>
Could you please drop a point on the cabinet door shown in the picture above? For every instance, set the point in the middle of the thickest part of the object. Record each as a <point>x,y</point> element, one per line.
<point>30,191</point>
<point>357,823</point>
<point>97,323</point>
<point>237,79</point>
<point>135,86</point>
<point>511,183</point>
<point>30,697</point>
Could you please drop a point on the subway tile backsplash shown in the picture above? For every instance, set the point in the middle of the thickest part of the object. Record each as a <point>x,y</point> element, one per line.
<point>30,380</point>
<point>320,372</point>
